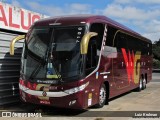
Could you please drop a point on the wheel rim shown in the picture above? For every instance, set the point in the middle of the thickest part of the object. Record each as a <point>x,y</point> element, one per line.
<point>140,84</point>
<point>144,83</point>
<point>102,96</point>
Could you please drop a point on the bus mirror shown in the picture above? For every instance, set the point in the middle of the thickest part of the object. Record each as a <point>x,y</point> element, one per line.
<point>85,41</point>
<point>12,44</point>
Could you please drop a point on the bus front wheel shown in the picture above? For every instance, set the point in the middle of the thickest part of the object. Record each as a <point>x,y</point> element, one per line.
<point>102,97</point>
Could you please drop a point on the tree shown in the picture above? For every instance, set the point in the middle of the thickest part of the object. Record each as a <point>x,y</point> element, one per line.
<point>156,54</point>
<point>157,42</point>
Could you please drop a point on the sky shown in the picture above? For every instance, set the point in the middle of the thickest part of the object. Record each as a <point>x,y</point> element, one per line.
<point>142,16</point>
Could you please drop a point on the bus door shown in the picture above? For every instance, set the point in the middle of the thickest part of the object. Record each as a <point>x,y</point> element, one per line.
<point>92,59</point>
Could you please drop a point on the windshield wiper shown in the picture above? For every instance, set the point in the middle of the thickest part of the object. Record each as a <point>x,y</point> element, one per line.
<point>53,63</point>
<point>43,62</point>
<point>26,53</point>
<point>35,71</point>
<point>38,67</point>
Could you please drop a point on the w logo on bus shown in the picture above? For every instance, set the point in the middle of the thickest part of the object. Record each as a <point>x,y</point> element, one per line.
<point>132,62</point>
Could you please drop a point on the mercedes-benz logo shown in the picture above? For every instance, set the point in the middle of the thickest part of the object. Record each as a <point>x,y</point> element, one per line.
<point>44,93</point>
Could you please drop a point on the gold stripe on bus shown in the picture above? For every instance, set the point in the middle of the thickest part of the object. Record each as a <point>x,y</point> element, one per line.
<point>137,71</point>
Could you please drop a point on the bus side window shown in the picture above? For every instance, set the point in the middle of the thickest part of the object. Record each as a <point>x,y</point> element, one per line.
<point>111,31</point>
<point>120,41</point>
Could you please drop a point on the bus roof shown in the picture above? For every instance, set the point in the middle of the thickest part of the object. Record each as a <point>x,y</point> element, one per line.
<point>81,19</point>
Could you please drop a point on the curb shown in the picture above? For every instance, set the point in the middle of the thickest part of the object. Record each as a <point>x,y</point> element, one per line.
<point>156,70</point>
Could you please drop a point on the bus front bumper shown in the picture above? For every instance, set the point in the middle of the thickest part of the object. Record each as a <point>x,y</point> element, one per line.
<point>63,99</point>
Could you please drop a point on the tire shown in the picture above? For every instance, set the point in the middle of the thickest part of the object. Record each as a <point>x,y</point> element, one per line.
<point>102,97</point>
<point>144,84</point>
<point>140,85</point>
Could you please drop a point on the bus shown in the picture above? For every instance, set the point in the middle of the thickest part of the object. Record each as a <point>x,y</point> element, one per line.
<point>81,61</point>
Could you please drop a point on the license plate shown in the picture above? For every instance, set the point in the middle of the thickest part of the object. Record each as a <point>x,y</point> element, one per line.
<point>45,102</point>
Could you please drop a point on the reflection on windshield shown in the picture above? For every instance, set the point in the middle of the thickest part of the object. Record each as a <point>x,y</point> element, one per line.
<point>62,52</point>
<point>39,40</point>
<point>68,62</point>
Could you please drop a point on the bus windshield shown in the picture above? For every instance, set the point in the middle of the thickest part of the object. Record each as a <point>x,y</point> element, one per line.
<point>53,52</point>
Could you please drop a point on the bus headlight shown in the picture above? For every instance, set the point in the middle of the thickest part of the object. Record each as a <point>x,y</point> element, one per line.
<point>77,89</point>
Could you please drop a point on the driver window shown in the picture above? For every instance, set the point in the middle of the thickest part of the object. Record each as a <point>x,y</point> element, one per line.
<point>92,54</point>
<point>94,47</point>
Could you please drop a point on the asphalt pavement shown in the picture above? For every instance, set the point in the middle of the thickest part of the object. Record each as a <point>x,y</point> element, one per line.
<point>126,105</point>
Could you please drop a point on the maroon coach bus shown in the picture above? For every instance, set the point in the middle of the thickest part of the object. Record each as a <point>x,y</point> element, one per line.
<point>81,61</point>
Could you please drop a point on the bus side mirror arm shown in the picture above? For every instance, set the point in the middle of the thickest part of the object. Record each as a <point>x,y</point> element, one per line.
<point>85,41</point>
<point>12,44</point>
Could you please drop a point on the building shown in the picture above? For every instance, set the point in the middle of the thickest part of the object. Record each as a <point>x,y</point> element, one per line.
<point>13,21</point>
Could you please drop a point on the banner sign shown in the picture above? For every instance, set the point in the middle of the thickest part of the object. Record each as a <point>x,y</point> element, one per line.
<point>17,19</point>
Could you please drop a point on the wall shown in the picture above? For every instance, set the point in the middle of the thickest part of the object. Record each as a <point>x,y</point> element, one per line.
<point>13,21</point>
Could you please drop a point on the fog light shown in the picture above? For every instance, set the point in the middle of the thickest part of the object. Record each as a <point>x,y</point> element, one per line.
<point>72,102</point>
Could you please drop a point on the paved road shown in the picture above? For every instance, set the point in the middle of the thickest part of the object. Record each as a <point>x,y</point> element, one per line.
<point>156,77</point>
<point>146,100</point>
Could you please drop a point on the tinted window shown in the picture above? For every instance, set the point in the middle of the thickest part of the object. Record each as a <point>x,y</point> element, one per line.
<point>94,47</point>
<point>98,28</point>
<point>136,44</point>
<point>111,31</point>
<point>120,41</point>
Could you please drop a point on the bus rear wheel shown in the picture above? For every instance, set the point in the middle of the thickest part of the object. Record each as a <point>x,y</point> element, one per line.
<point>102,97</point>
<point>144,84</point>
<point>140,85</point>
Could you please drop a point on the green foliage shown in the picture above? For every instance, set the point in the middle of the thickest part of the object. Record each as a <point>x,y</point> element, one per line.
<point>156,64</point>
<point>156,55</point>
